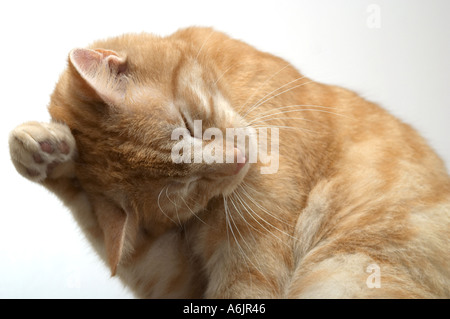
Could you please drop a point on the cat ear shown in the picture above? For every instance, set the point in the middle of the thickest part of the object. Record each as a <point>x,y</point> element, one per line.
<point>115,224</point>
<point>104,71</point>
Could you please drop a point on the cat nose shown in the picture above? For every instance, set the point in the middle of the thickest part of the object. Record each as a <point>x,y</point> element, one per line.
<point>239,159</point>
<point>230,167</point>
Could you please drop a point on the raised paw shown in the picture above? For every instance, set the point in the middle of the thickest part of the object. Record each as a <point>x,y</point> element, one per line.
<point>43,150</point>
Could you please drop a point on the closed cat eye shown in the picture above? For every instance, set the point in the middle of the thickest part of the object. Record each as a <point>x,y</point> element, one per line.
<point>187,125</point>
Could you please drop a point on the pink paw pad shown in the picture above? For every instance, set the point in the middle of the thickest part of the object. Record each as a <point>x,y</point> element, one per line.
<point>41,150</point>
<point>64,148</point>
<point>49,157</point>
<point>38,158</point>
<point>47,147</point>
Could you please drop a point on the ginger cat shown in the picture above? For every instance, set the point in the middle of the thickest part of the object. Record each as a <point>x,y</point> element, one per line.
<point>358,207</point>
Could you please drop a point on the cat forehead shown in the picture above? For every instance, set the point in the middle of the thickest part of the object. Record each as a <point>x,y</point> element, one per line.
<point>162,61</point>
<point>160,73</point>
<point>189,84</point>
<point>191,79</point>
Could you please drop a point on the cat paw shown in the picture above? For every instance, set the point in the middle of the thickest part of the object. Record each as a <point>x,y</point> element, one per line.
<point>43,150</point>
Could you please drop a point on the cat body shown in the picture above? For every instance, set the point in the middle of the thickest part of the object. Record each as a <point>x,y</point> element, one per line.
<point>359,206</point>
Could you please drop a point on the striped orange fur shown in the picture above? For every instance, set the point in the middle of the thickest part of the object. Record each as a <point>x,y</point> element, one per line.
<point>356,189</point>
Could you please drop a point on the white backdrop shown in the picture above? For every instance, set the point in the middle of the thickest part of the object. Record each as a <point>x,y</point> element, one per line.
<point>395,53</point>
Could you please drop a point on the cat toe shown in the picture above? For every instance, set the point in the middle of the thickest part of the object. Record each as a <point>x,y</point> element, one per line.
<point>46,147</point>
<point>42,150</point>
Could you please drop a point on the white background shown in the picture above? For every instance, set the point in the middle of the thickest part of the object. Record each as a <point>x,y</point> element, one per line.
<point>400,60</point>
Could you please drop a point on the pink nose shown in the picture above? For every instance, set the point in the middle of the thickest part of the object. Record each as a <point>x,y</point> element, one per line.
<point>239,159</point>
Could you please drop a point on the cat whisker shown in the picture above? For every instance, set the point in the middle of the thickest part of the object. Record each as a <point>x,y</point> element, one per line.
<point>259,268</point>
<point>225,206</point>
<point>230,229</point>
<point>203,44</point>
<point>269,113</point>
<point>229,218</point>
<point>192,211</point>
<point>250,211</point>
<point>269,117</point>
<point>244,192</point>
<point>175,205</point>
<point>283,92</point>
<point>285,118</point>
<point>268,96</point>
<point>285,127</point>
<point>249,247</point>
<point>239,212</point>
<point>249,225</point>
<point>259,87</point>
<point>302,105</point>
<point>159,205</point>
<point>273,91</point>
<point>279,118</point>
<point>245,222</point>
<point>220,77</point>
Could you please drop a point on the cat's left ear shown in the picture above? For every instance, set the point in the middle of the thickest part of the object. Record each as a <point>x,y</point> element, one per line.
<point>119,230</point>
<point>104,71</point>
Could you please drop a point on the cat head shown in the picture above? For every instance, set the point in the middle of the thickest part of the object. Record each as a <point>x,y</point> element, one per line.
<point>133,104</point>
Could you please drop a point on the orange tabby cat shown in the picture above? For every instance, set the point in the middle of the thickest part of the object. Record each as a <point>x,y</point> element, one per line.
<point>358,205</point>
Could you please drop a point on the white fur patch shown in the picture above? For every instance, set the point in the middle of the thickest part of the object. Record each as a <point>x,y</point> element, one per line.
<point>342,276</point>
